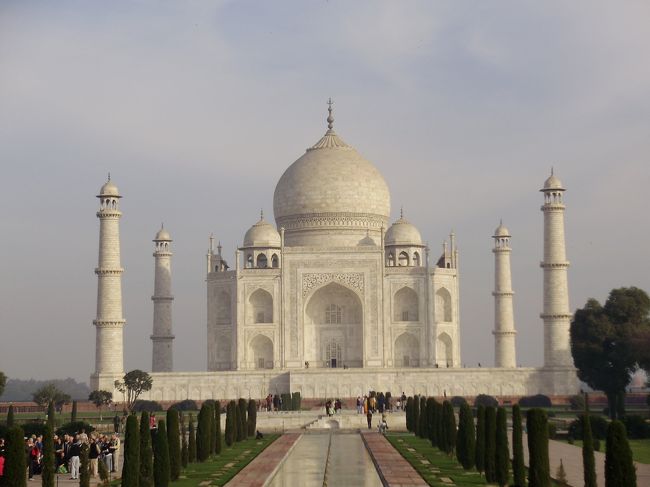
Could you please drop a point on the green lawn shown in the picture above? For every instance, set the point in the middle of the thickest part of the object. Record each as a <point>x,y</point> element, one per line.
<point>640,449</point>
<point>439,464</point>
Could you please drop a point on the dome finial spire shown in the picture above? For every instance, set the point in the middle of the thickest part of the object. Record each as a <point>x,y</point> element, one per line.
<point>109,175</point>
<point>330,118</point>
<point>401,212</point>
<point>261,214</point>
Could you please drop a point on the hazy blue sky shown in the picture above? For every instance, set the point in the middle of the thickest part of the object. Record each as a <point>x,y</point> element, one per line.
<point>196,108</point>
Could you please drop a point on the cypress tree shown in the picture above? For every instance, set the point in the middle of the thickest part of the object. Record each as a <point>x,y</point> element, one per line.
<point>131,464</point>
<point>48,463</point>
<point>415,419</point>
<point>15,460</point>
<point>466,438</point>
<point>490,444</point>
<point>191,441</point>
<point>243,408</point>
<point>217,426</point>
<point>174,444</point>
<point>161,464</point>
<point>51,414</point>
<point>84,466</point>
<point>73,414</point>
<point>252,417</point>
<point>539,474</point>
<point>619,467</point>
<point>10,416</point>
<point>230,432</point>
<point>480,439</point>
<point>185,455</point>
<point>449,427</point>
<point>430,415</point>
<point>423,429</point>
<point>238,426</point>
<point>409,414</point>
<point>518,468</point>
<point>588,460</point>
<point>213,430</point>
<point>440,430</point>
<point>502,453</point>
<point>203,439</point>
<point>104,474</point>
<point>146,452</point>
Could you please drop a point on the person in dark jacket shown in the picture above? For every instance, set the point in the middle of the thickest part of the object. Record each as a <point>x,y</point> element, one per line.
<point>369,418</point>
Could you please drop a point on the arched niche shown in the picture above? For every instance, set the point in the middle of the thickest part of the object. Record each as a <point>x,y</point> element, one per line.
<point>405,305</point>
<point>260,307</point>
<point>416,259</point>
<point>333,320</point>
<point>444,351</point>
<point>407,351</point>
<point>262,261</point>
<point>403,259</point>
<point>261,352</point>
<point>443,306</point>
<point>275,261</point>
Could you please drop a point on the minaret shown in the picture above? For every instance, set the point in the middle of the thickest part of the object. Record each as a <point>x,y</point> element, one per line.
<point>162,338</point>
<point>504,322</point>
<point>109,355</point>
<point>556,315</point>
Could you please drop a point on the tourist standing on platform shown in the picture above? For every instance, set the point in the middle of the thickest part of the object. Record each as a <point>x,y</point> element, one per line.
<point>369,418</point>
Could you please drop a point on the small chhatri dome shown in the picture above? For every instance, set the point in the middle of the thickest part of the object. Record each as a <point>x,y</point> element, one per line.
<point>502,231</point>
<point>162,235</point>
<point>402,232</point>
<point>553,183</point>
<point>109,189</point>
<point>262,234</point>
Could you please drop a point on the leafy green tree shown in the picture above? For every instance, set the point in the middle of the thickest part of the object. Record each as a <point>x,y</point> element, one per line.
<point>47,462</point>
<point>490,444</point>
<point>252,417</point>
<point>502,453</point>
<point>174,444</point>
<point>132,385</point>
<point>84,466</point>
<point>619,467</point>
<point>146,452</point>
<point>131,465</point>
<point>466,438</point>
<point>480,438</point>
<point>203,433</point>
<point>50,393</point>
<point>161,463</point>
<point>191,441</point>
<point>539,470</point>
<point>423,429</point>
<point>73,414</point>
<point>100,399</point>
<point>603,342</point>
<point>15,459</point>
<point>10,416</point>
<point>518,468</point>
<point>243,413</point>
<point>588,460</point>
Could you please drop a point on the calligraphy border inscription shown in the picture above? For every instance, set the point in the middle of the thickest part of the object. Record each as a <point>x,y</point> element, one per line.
<point>310,281</point>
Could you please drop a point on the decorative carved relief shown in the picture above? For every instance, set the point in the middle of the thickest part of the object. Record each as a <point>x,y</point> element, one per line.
<point>310,281</point>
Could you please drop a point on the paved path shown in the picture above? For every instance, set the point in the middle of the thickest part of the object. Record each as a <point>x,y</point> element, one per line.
<point>263,467</point>
<point>393,468</point>
<point>571,457</point>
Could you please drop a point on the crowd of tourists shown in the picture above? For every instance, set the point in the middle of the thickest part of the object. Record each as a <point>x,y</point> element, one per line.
<point>67,453</point>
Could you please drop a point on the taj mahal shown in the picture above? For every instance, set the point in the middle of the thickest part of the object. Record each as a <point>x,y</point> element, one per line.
<point>333,299</point>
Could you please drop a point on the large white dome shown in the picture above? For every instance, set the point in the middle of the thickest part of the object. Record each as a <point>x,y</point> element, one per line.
<point>331,187</point>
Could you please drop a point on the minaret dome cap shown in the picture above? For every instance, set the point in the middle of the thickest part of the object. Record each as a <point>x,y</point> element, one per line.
<point>109,189</point>
<point>403,232</point>
<point>262,234</point>
<point>553,183</point>
<point>162,236</point>
<point>502,231</point>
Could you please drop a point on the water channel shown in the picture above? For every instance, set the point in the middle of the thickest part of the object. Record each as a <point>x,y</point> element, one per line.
<point>340,458</point>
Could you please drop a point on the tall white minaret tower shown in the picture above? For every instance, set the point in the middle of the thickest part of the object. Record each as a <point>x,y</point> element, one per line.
<point>109,324</point>
<point>162,338</point>
<point>556,315</point>
<point>504,322</point>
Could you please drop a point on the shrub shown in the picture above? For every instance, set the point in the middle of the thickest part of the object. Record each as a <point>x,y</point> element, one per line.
<point>596,444</point>
<point>429,411</point>
<point>458,401</point>
<point>423,429</point>
<point>84,466</point>
<point>34,428</point>
<point>502,453</point>
<point>480,439</point>
<point>146,452</point>
<point>104,475</point>
<point>286,401</point>
<point>174,444</point>
<point>560,474</point>
<point>203,436</point>
<point>536,401</point>
<point>416,415</point>
<point>74,428</point>
<point>15,461</point>
<point>636,427</point>
<point>598,427</point>
<point>577,402</point>
<point>552,430</point>
<point>161,464</point>
<point>131,464</point>
<point>185,405</point>
<point>440,428</point>
<point>144,405</point>
<point>619,468</point>
<point>518,468</point>
<point>252,416</point>
<point>409,414</point>
<point>539,470</point>
<point>295,402</point>
<point>485,400</point>
<point>243,408</point>
<point>466,438</point>
<point>490,444</point>
<point>231,427</point>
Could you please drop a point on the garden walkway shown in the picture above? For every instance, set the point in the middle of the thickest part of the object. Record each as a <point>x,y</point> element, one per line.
<point>393,468</point>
